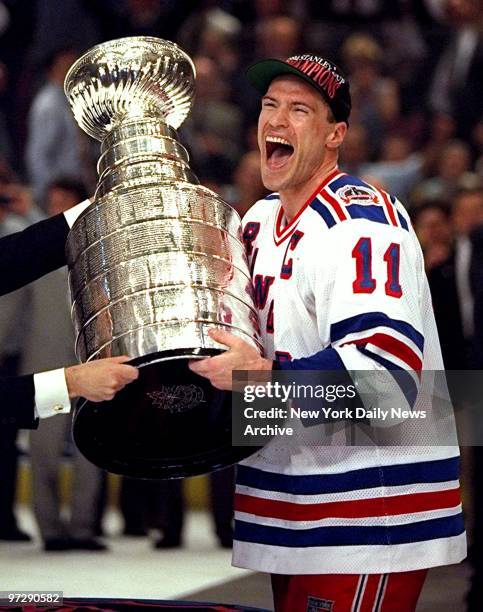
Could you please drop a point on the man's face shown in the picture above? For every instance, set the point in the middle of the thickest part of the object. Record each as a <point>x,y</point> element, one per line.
<point>433,227</point>
<point>468,212</point>
<point>293,131</point>
<point>59,200</point>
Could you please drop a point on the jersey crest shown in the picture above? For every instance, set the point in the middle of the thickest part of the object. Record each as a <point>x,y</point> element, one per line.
<point>351,194</point>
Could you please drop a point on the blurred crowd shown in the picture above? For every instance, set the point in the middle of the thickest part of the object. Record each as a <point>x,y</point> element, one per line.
<point>416,130</point>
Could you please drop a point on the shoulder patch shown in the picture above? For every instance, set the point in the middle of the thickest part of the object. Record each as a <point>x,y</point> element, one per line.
<point>363,201</point>
<point>350,194</point>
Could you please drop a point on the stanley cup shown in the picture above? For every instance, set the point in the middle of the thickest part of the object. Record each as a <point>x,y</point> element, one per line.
<point>154,263</point>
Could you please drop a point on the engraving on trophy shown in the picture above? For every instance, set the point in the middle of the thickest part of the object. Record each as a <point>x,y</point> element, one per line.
<point>177,398</point>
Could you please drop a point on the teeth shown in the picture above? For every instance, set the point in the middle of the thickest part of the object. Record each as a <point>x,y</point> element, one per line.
<point>278,140</point>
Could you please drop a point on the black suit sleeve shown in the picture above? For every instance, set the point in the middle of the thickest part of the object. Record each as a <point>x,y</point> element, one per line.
<point>17,401</point>
<point>24,257</point>
<point>37,250</point>
<point>447,312</point>
<point>476,279</point>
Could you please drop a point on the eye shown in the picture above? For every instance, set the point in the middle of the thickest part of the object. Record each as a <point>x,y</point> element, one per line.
<point>268,103</point>
<point>301,110</point>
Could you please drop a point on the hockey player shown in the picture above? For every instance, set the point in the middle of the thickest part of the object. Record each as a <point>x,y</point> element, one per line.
<point>339,283</point>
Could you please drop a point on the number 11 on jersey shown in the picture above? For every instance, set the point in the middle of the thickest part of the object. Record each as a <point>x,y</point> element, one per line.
<point>364,281</point>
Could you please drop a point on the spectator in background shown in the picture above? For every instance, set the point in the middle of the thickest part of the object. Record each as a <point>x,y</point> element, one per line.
<point>331,22</point>
<point>53,144</point>
<point>171,517</point>
<point>221,47</point>
<point>251,12</point>
<point>247,182</point>
<point>457,87</point>
<point>212,32</point>
<point>432,223</point>
<point>161,18</point>
<point>398,169</point>
<point>376,97</point>
<point>355,13</point>
<point>276,36</point>
<point>453,171</point>
<point>146,17</point>
<point>49,344</point>
<point>467,216</point>
<point>442,130</point>
<point>354,155</point>
<point>429,134</point>
<point>64,193</point>
<point>159,505</point>
<point>65,24</point>
<point>213,130</point>
<point>141,504</point>
<point>21,204</point>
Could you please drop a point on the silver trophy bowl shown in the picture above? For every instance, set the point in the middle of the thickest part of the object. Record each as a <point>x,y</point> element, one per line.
<point>154,263</point>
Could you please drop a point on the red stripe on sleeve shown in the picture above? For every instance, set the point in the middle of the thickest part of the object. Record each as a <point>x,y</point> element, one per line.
<point>395,347</point>
<point>389,208</point>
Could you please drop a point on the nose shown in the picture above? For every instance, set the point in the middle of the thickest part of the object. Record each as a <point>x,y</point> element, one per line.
<point>279,117</point>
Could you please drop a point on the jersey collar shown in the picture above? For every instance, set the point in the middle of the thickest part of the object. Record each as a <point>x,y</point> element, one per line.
<point>282,232</point>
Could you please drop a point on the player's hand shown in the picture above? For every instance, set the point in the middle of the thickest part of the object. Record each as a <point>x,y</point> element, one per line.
<point>99,380</point>
<point>239,356</point>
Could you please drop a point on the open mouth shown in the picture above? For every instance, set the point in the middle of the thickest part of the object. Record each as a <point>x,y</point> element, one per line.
<point>278,151</point>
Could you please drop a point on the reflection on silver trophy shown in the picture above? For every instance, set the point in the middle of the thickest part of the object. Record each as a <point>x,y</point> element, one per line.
<point>155,262</point>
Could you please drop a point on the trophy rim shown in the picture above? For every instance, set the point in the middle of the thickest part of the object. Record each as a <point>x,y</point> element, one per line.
<point>103,84</point>
<point>68,81</point>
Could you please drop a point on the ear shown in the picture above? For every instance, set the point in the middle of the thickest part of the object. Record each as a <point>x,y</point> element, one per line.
<point>336,136</point>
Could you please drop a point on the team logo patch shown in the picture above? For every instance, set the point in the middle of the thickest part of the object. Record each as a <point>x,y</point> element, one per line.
<point>350,194</point>
<point>314,604</point>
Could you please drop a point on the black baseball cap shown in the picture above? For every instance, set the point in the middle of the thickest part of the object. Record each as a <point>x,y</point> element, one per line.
<point>321,73</point>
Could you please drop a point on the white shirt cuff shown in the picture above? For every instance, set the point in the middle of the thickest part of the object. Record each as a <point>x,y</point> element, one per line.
<point>72,214</point>
<point>51,394</point>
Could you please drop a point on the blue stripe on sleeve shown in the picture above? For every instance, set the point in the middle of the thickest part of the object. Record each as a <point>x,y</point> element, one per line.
<point>327,359</point>
<point>404,380</point>
<point>369,320</point>
<point>439,470</point>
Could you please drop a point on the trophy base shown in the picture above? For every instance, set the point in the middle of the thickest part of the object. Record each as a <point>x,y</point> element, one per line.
<point>169,423</point>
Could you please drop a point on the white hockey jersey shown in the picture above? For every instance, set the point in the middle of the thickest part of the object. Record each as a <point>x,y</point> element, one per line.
<point>343,285</point>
